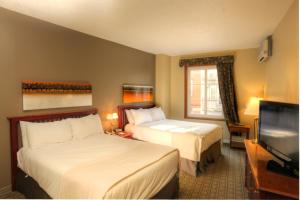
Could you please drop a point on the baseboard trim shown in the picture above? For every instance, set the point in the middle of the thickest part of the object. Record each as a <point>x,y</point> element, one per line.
<point>5,191</point>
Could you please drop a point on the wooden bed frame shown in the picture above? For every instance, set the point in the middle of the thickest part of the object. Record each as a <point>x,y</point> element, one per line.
<point>15,144</point>
<point>122,118</point>
<point>28,186</point>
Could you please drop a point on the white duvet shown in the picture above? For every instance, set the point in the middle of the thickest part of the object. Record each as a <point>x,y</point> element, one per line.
<point>189,137</point>
<point>100,166</point>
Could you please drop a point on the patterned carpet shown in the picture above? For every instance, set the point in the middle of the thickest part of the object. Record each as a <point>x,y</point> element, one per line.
<point>221,180</point>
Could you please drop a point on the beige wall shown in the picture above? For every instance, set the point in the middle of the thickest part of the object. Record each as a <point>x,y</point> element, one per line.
<point>282,73</point>
<point>33,49</point>
<point>162,82</point>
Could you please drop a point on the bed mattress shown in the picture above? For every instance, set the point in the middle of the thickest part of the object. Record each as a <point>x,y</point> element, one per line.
<point>100,166</point>
<point>189,137</point>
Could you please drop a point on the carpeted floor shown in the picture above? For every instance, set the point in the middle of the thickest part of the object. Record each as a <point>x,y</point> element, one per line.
<point>221,180</point>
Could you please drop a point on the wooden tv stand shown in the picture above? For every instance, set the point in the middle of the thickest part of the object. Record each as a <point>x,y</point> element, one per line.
<point>264,184</point>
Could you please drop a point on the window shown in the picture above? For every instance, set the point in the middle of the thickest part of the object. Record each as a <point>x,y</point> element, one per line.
<point>203,98</point>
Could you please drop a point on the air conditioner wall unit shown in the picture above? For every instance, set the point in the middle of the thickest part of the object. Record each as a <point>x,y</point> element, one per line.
<point>265,50</point>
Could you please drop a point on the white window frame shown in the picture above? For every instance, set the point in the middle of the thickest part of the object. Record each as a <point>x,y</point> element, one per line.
<point>188,95</point>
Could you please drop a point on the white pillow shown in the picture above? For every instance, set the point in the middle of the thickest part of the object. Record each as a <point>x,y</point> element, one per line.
<point>45,133</point>
<point>157,114</point>
<point>23,126</point>
<point>85,126</point>
<point>129,116</point>
<point>141,116</point>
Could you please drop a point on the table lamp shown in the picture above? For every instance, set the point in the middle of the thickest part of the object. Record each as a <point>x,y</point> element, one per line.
<point>253,109</point>
<point>111,117</point>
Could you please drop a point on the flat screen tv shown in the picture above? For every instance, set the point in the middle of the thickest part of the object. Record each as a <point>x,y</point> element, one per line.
<point>279,133</point>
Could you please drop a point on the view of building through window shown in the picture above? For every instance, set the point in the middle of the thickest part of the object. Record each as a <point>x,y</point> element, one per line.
<point>204,98</point>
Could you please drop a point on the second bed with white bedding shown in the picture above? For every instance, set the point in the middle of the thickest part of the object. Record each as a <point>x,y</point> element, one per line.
<point>100,166</point>
<point>190,138</point>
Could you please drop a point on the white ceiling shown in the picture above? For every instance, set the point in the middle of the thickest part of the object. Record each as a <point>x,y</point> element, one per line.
<point>172,27</point>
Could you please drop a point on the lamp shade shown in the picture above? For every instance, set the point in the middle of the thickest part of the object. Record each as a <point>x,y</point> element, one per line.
<point>253,106</point>
<point>115,116</point>
<point>109,116</point>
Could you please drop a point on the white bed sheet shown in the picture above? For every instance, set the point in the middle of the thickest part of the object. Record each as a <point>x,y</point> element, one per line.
<point>47,165</point>
<point>189,137</point>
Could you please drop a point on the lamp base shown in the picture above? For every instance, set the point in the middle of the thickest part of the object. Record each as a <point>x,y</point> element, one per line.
<point>255,131</point>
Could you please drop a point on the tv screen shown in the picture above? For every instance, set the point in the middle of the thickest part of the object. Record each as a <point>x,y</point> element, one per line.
<point>279,130</point>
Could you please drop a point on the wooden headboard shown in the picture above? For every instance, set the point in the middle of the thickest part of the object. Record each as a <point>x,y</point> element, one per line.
<point>14,132</point>
<point>122,118</point>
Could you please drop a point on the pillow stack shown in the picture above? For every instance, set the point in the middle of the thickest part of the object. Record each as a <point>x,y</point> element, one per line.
<point>36,135</point>
<point>157,114</point>
<point>41,134</point>
<point>85,126</point>
<point>139,116</point>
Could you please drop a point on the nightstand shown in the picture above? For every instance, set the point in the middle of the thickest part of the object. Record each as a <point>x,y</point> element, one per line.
<point>124,134</point>
<point>238,133</point>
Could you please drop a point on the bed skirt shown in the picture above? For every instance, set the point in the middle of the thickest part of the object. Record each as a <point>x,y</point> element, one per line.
<point>31,189</point>
<point>208,156</point>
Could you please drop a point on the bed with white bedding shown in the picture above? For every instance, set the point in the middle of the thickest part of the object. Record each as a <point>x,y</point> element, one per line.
<point>100,166</point>
<point>90,164</point>
<point>190,138</point>
<point>196,142</point>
